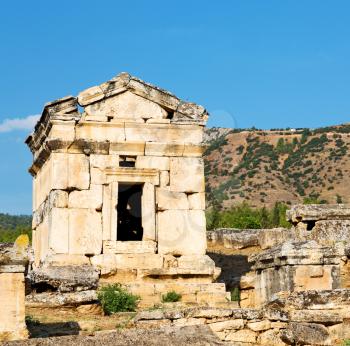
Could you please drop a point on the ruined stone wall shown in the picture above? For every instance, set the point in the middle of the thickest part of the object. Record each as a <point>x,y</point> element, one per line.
<point>314,256</point>
<point>302,318</point>
<point>13,261</point>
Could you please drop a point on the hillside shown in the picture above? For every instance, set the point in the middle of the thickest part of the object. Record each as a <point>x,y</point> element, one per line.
<point>8,221</point>
<point>11,226</point>
<point>264,167</point>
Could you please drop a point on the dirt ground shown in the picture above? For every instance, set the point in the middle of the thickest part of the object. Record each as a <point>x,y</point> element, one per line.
<point>170,336</point>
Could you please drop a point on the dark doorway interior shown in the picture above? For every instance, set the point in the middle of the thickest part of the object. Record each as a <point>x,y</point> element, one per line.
<point>129,212</point>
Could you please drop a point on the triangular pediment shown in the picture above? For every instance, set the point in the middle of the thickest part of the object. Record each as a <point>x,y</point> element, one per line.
<point>125,96</point>
<point>126,105</point>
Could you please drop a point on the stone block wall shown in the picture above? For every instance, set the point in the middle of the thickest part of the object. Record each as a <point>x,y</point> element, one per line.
<point>301,318</point>
<point>315,256</point>
<point>13,261</point>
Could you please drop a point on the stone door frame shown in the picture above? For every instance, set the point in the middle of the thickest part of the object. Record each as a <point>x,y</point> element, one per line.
<point>149,178</point>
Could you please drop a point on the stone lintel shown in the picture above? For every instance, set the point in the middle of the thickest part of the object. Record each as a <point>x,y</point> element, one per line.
<point>129,247</point>
<point>131,175</point>
<point>315,212</point>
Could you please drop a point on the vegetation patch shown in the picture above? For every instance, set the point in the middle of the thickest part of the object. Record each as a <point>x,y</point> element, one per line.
<point>171,297</point>
<point>114,298</point>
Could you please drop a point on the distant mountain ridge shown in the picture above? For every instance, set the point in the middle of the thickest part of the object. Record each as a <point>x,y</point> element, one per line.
<point>263,167</point>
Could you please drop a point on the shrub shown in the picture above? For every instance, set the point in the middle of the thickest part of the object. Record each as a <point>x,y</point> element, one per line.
<point>171,297</point>
<point>114,298</point>
<point>235,294</point>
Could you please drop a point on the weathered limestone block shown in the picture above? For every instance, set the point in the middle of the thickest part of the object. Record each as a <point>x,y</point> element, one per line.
<point>248,298</point>
<point>55,299</point>
<point>335,299</point>
<point>186,174</point>
<point>98,177</point>
<point>164,178</point>
<point>163,133</point>
<point>181,232</point>
<point>126,105</point>
<point>58,260</point>
<point>58,230</point>
<point>63,130</point>
<point>158,121</point>
<point>109,263</point>
<point>275,236</point>
<point>66,278</point>
<point>89,146</point>
<point>297,253</point>
<point>109,211</point>
<point>13,261</point>
<point>41,243</point>
<point>233,238</point>
<point>42,181</point>
<point>129,247</point>
<point>195,262</point>
<point>90,199</point>
<point>56,199</point>
<point>315,212</point>
<point>191,110</point>
<point>78,171</point>
<point>247,280</point>
<point>148,207</point>
<point>95,118</point>
<point>315,277</point>
<point>270,337</point>
<point>167,199</point>
<point>12,314</point>
<point>193,150</point>
<point>210,312</point>
<point>159,162</point>
<point>112,132</point>
<point>157,95</point>
<point>69,171</point>
<point>90,95</point>
<point>330,231</point>
<point>196,200</point>
<point>127,148</point>
<point>104,161</point>
<point>305,334</point>
<point>227,325</point>
<point>85,232</point>
<point>139,261</point>
<point>316,316</point>
<point>164,149</point>
<point>259,326</point>
<point>243,335</point>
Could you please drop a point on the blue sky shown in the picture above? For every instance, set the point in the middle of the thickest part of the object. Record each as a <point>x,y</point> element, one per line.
<point>250,63</point>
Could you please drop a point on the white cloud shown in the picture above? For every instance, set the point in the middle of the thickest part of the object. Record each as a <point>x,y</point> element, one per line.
<point>26,124</point>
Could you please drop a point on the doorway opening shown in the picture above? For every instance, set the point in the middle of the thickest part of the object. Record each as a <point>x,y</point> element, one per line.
<point>129,211</point>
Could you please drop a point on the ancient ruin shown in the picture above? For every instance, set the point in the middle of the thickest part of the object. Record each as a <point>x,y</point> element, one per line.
<point>118,189</point>
<point>118,197</point>
<point>13,263</point>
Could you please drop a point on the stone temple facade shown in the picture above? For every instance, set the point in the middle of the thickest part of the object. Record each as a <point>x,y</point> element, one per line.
<point>118,185</point>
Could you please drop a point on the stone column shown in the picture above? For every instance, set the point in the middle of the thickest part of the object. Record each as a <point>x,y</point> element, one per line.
<point>13,260</point>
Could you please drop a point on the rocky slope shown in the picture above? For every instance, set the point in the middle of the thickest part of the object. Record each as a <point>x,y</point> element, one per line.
<point>264,167</point>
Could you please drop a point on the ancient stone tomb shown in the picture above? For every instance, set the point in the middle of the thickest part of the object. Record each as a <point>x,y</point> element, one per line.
<point>118,184</point>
